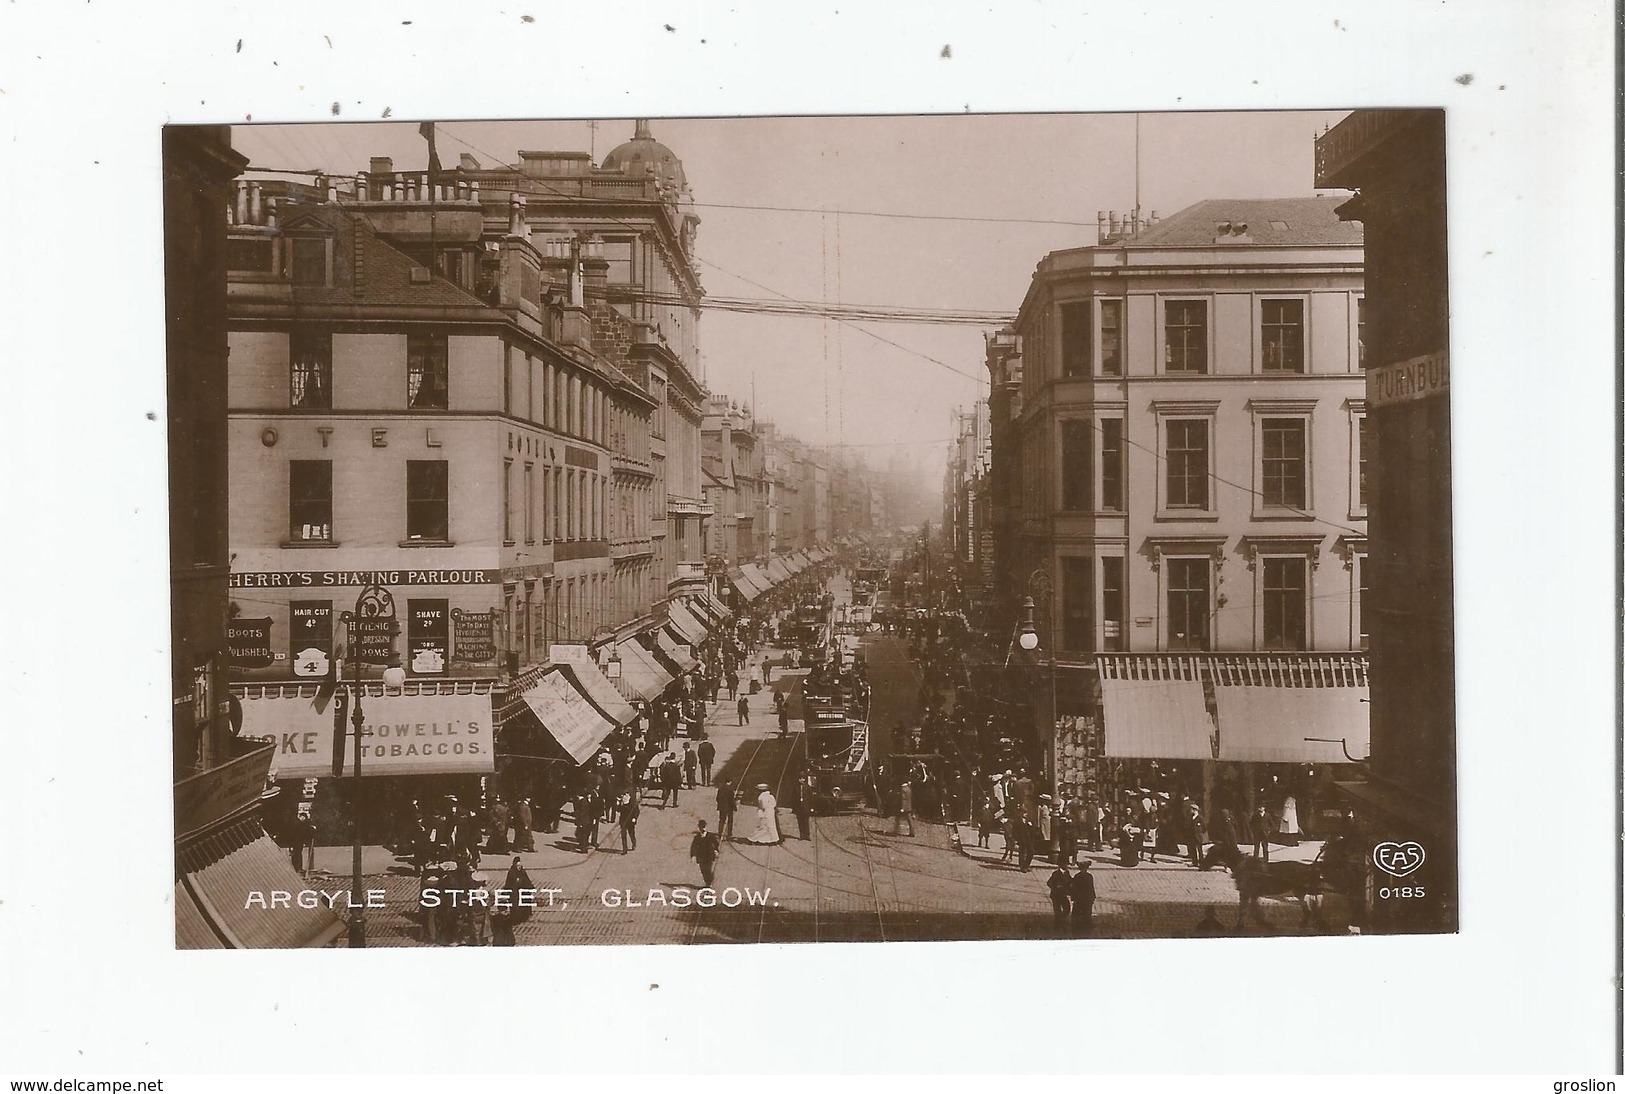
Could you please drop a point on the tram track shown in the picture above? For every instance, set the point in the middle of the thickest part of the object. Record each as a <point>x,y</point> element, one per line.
<point>775,784</point>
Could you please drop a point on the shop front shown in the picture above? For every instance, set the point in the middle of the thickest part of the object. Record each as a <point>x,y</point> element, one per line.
<point>1238,732</point>
<point>419,742</point>
<point>226,864</point>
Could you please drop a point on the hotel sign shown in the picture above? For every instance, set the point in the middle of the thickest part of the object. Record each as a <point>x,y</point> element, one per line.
<point>1422,377</point>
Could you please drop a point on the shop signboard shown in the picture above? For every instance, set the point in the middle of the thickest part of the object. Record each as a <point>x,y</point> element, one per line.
<point>402,734</point>
<point>374,639</point>
<point>220,792</point>
<point>427,637</point>
<point>311,641</point>
<point>250,642</point>
<point>474,635</point>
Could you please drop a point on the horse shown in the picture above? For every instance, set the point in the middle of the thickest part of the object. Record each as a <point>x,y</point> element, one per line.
<point>1256,878</point>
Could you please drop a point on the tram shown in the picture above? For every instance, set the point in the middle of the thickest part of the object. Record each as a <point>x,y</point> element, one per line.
<point>837,737</point>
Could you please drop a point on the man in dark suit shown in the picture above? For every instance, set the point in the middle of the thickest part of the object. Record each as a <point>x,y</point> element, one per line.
<point>726,805</point>
<point>708,756</point>
<point>1060,895</point>
<point>704,849</point>
<point>1083,900</point>
<point>523,839</point>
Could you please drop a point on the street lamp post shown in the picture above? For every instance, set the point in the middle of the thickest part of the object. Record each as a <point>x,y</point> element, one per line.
<point>371,604</point>
<point>1039,581</point>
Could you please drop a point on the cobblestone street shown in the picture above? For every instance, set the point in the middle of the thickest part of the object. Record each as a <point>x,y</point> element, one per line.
<point>854,880</point>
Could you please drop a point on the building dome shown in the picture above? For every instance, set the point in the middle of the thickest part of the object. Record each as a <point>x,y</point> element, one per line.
<point>644,155</point>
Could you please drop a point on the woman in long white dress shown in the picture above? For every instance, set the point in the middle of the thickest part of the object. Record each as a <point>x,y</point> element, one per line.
<point>767,817</point>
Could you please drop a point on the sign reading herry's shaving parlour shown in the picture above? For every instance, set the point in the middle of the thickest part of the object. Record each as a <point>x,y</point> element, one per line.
<point>1405,381</point>
<point>334,579</point>
<point>400,734</point>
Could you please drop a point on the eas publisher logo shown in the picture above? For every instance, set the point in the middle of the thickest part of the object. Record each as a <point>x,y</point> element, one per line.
<point>1399,860</point>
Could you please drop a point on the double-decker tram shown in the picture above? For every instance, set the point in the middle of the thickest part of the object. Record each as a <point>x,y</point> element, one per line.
<point>836,706</point>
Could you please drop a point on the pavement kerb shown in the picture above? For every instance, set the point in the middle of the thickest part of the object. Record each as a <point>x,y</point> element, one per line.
<point>1305,851</point>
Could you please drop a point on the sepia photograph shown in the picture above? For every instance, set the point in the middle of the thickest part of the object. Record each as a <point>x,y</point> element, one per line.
<point>1049,536</point>
<point>777,540</point>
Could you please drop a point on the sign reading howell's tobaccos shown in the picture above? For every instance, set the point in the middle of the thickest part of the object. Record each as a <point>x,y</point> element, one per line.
<point>406,734</point>
<point>1404,381</point>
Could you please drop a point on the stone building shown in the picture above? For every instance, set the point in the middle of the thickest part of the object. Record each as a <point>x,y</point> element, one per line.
<point>1184,437</point>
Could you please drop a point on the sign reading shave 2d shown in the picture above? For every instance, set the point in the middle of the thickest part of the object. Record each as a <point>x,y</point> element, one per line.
<point>402,735</point>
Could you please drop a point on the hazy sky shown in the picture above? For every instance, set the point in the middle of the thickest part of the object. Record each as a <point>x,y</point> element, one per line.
<point>835,382</point>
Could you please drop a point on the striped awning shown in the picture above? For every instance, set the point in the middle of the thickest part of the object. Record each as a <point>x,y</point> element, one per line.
<point>756,579</point>
<point>673,649</point>
<point>707,609</point>
<point>641,675</point>
<point>683,621</point>
<point>1156,720</point>
<point>743,585</point>
<point>221,896</point>
<point>598,687</point>
<point>574,722</point>
<point>1269,724</point>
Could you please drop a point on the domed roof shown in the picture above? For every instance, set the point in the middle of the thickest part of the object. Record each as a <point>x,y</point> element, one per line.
<point>644,155</point>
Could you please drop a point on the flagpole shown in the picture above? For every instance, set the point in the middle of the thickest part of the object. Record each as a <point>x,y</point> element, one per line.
<point>427,129</point>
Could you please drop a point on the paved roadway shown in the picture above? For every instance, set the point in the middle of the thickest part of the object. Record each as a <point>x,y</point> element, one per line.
<point>855,879</point>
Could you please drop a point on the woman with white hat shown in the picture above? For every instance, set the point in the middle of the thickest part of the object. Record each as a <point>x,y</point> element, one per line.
<point>767,817</point>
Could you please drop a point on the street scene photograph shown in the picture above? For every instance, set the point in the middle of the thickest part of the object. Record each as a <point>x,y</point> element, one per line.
<point>810,529</point>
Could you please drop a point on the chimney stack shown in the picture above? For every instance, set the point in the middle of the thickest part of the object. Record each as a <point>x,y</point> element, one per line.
<point>381,165</point>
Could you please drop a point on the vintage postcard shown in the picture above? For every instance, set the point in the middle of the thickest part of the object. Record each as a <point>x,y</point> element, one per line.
<point>811,529</point>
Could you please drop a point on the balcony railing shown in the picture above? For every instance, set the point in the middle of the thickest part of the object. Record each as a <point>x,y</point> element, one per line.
<point>1261,669</point>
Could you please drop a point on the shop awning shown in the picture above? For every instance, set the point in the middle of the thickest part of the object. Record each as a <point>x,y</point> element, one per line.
<point>223,899</point>
<point>568,715</point>
<point>641,676</point>
<point>419,729</point>
<point>719,611</point>
<point>744,586</point>
<point>690,629</point>
<point>1269,724</point>
<point>1156,720</point>
<point>674,650</point>
<point>757,577</point>
<point>777,571</point>
<point>597,687</point>
<point>703,611</point>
